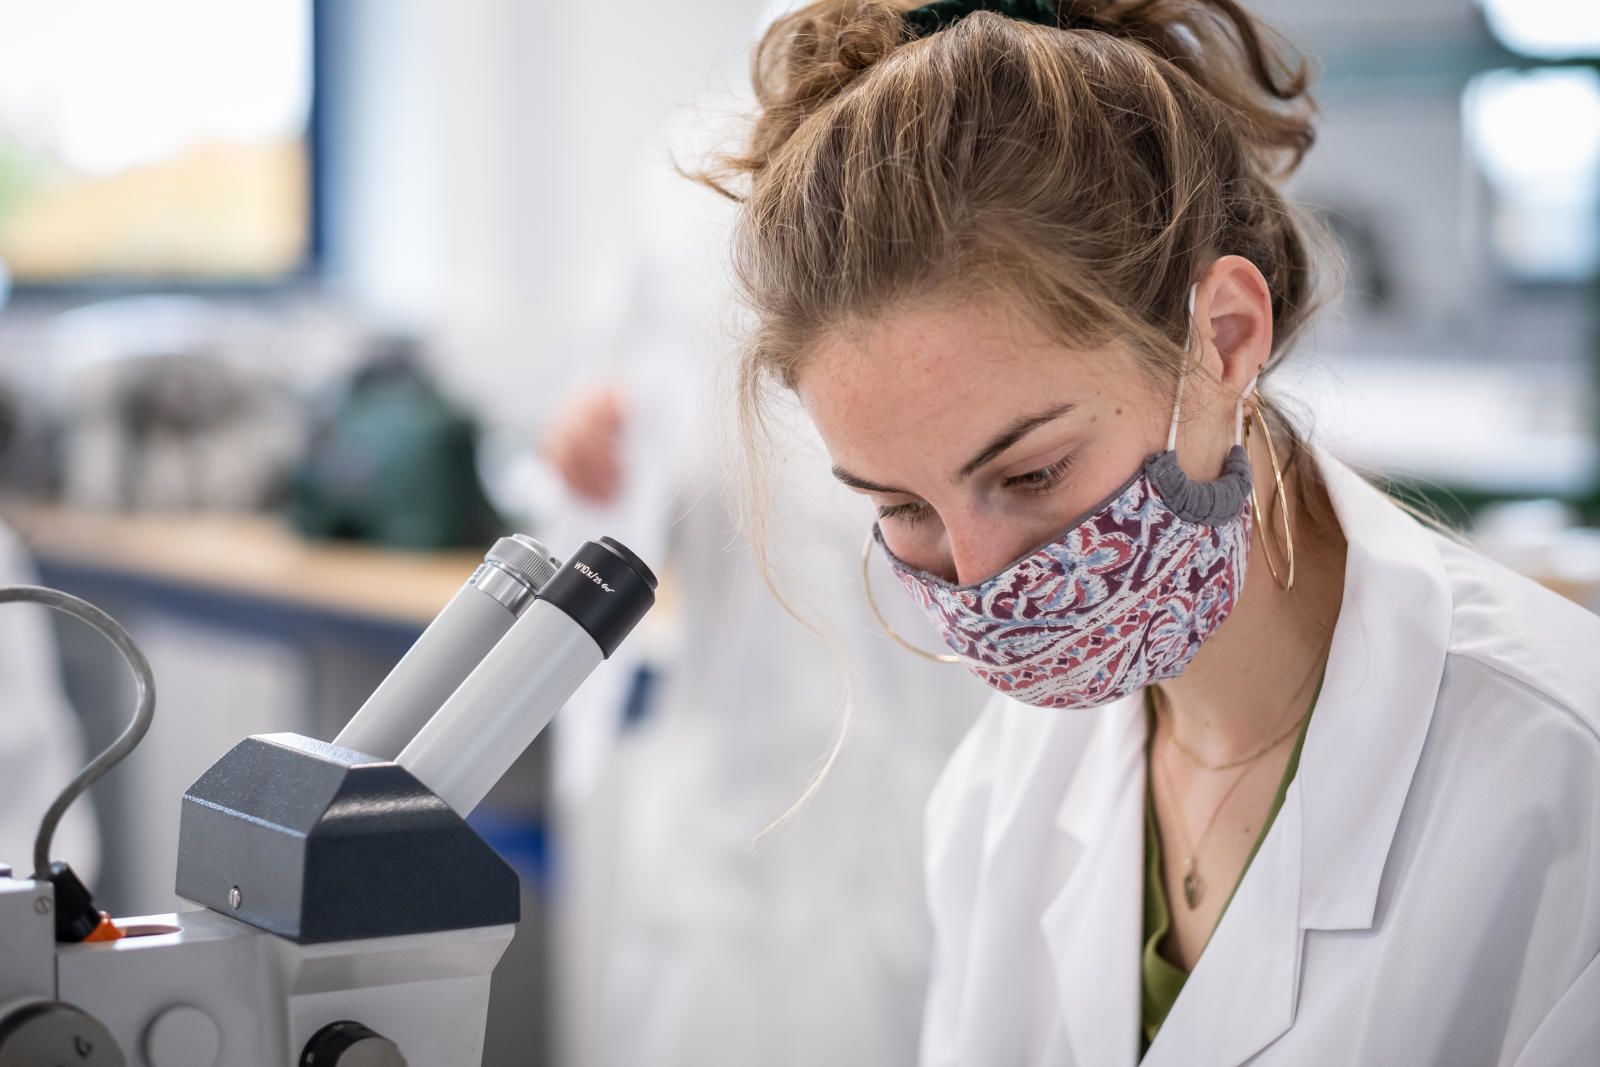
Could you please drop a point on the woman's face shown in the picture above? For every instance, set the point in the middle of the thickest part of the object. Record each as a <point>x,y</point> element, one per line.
<point>978,437</point>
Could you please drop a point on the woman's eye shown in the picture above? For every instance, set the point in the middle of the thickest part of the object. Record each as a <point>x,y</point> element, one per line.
<point>1042,479</point>
<point>914,512</point>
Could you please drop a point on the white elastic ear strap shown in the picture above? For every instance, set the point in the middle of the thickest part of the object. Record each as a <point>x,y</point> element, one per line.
<point>1238,410</point>
<point>1177,401</point>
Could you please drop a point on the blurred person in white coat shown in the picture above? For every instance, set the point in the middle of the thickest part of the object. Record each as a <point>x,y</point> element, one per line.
<point>690,943</point>
<point>40,746</point>
<point>1275,773</point>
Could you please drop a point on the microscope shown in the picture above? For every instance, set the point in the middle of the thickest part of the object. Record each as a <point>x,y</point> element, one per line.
<point>347,915</point>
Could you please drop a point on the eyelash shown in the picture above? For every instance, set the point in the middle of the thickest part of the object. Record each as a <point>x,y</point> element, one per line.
<point>1039,481</point>
<point>909,513</point>
<point>1043,479</point>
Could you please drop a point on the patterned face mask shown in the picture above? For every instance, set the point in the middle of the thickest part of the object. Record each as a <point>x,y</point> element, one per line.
<point>1121,599</point>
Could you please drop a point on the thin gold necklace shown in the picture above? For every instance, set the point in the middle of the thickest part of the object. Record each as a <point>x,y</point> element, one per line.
<point>1193,888</point>
<point>1164,710</point>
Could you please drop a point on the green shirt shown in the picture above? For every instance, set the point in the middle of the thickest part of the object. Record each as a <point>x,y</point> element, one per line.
<point>1163,981</point>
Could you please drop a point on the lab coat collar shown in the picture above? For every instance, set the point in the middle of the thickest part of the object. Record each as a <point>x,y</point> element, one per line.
<point>1092,926</point>
<point>1321,864</point>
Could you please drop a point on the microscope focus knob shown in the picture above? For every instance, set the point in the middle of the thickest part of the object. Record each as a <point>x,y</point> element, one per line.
<point>349,1044</point>
<point>182,1036</point>
<point>50,1032</point>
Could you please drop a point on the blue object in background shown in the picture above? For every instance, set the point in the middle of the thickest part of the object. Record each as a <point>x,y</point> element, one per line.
<point>521,840</point>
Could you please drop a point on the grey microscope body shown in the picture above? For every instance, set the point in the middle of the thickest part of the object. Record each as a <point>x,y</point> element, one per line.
<point>335,889</point>
<point>346,913</point>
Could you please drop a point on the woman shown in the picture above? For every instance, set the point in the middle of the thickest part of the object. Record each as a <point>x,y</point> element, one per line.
<point>1289,782</point>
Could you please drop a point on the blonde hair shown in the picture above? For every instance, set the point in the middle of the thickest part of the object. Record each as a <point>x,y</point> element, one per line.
<point>1091,173</point>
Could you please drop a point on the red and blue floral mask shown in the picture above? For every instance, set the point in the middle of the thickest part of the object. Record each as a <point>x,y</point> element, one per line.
<point>1122,598</point>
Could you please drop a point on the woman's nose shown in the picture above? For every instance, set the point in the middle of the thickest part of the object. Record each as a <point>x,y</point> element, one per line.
<point>977,550</point>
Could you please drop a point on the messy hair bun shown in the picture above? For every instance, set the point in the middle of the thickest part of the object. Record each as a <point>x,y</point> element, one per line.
<point>813,54</point>
<point>1101,161</point>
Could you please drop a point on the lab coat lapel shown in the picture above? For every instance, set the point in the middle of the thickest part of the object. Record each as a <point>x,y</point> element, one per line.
<point>1320,866</point>
<point>1385,667</point>
<point>1092,925</point>
<point>1242,993</point>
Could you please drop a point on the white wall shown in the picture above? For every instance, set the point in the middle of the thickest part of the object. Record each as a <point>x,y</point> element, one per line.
<point>490,154</point>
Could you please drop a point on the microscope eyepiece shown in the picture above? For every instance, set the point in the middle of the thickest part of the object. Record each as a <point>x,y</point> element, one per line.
<point>630,559</point>
<point>474,620</point>
<point>578,619</point>
<point>605,589</point>
<point>523,560</point>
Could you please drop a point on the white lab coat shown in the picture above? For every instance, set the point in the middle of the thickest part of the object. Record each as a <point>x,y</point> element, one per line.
<point>1428,894</point>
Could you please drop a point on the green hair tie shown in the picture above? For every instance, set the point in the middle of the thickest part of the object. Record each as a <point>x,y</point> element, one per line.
<point>930,18</point>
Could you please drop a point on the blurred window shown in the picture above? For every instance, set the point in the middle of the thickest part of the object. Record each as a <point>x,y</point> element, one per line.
<point>157,140</point>
<point>1546,29</point>
<point>1535,136</point>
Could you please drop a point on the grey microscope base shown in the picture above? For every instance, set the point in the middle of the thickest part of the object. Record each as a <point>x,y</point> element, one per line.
<point>266,996</point>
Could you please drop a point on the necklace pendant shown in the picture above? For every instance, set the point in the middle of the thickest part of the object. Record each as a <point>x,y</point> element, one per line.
<point>1193,887</point>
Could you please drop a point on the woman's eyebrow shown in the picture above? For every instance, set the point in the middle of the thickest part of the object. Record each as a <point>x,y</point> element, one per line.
<point>855,481</point>
<point>1010,436</point>
<point>1004,440</point>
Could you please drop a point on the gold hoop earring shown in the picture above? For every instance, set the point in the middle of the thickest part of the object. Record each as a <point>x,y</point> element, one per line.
<point>883,624</point>
<point>1280,502</point>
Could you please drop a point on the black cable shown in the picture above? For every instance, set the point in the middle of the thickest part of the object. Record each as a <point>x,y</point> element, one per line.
<point>118,750</point>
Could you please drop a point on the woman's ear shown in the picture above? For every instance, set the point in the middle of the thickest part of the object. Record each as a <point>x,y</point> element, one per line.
<point>1233,311</point>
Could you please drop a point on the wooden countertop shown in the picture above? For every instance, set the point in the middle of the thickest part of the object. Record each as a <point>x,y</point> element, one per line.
<point>252,556</point>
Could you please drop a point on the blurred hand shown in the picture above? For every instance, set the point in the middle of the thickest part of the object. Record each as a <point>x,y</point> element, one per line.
<point>584,444</point>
